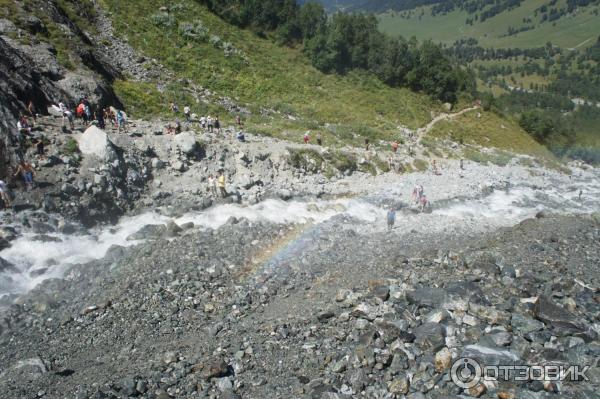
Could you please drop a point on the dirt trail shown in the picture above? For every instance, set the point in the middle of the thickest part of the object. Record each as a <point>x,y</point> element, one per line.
<point>442,117</point>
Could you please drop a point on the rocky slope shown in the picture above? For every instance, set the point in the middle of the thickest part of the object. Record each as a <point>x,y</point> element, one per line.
<point>212,314</point>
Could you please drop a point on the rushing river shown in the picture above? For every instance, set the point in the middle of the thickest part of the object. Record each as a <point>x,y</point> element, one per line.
<point>36,261</point>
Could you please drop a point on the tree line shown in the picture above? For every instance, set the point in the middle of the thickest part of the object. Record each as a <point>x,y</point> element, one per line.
<point>346,42</point>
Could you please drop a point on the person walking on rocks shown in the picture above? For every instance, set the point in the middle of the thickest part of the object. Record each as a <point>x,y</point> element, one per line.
<point>435,168</point>
<point>186,113</point>
<point>217,124</point>
<point>417,193</point>
<point>391,218</point>
<point>5,194</point>
<point>67,115</point>
<point>306,138</point>
<point>26,171</point>
<point>121,121</point>
<point>212,185</point>
<point>210,123</point>
<point>423,203</point>
<point>203,122</point>
<point>366,144</point>
<point>81,112</point>
<point>395,146</point>
<point>31,110</point>
<point>100,117</point>
<point>319,139</point>
<point>221,184</point>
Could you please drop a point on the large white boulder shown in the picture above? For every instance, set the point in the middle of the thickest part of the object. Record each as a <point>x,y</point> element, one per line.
<point>95,141</point>
<point>186,142</point>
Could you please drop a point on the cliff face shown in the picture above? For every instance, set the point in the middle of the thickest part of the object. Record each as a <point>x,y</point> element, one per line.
<point>46,61</point>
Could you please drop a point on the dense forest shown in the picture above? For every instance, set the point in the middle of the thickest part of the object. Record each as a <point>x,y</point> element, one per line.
<point>348,42</point>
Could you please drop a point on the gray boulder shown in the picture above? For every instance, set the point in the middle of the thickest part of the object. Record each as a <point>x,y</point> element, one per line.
<point>147,232</point>
<point>186,142</point>
<point>95,142</point>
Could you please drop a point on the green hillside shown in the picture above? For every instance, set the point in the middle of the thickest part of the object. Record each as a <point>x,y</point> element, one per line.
<point>571,31</point>
<point>266,76</point>
<point>275,81</point>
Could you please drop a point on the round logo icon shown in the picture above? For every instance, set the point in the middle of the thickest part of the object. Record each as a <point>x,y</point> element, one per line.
<point>466,373</point>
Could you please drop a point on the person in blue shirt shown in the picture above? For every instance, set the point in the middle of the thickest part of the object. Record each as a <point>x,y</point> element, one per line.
<point>391,218</point>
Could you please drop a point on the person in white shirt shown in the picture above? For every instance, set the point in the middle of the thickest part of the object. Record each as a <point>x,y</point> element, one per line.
<point>186,112</point>
<point>209,121</point>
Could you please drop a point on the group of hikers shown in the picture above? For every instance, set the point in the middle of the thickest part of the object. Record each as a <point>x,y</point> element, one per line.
<point>208,123</point>
<point>216,186</point>
<point>419,199</point>
<point>93,114</point>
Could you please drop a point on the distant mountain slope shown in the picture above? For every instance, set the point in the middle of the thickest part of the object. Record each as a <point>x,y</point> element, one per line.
<point>376,6</point>
<point>508,23</point>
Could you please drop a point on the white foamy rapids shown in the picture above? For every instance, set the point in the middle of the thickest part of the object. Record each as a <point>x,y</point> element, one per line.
<point>516,204</point>
<point>37,261</point>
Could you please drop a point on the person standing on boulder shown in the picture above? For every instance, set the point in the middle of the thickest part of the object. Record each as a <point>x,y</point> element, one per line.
<point>221,184</point>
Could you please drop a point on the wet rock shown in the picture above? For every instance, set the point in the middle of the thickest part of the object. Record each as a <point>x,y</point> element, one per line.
<point>382,292</point>
<point>490,356</point>
<point>426,296</point>
<point>45,238</point>
<point>430,336</point>
<point>214,368</point>
<point>6,266</point>
<point>524,324</point>
<point>324,316</point>
<point>149,231</point>
<point>172,229</point>
<point>556,316</point>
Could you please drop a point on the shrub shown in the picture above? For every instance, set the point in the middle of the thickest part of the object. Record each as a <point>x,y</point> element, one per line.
<point>194,31</point>
<point>70,147</point>
<point>163,20</point>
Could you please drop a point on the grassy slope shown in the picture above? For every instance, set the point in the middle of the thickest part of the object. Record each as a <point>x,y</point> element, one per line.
<point>273,77</point>
<point>568,31</point>
<point>489,131</point>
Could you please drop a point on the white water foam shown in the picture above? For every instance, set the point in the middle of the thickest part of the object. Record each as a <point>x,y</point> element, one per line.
<point>38,261</point>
